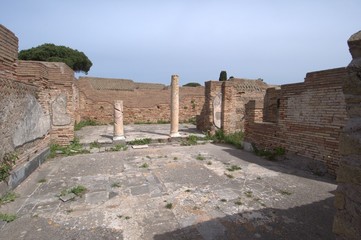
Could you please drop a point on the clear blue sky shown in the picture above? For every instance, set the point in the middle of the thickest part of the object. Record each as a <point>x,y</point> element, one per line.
<point>148,41</point>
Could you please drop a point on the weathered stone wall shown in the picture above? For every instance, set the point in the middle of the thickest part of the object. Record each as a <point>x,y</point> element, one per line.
<point>235,93</point>
<point>142,102</point>
<point>304,118</point>
<point>24,126</point>
<point>347,222</point>
<point>55,93</point>
<point>36,102</point>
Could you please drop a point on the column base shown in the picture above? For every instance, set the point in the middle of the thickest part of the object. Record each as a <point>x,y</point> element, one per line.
<point>118,138</point>
<point>175,134</point>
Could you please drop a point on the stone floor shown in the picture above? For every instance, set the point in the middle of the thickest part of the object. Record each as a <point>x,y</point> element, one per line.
<point>171,192</point>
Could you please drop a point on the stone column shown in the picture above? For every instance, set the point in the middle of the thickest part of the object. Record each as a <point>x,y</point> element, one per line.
<point>118,121</point>
<point>174,107</point>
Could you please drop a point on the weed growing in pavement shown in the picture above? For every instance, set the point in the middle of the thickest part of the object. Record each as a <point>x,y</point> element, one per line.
<point>116,185</point>
<point>94,144</point>
<point>169,205</point>
<point>8,197</point>
<point>72,149</point>
<point>285,192</point>
<point>7,217</point>
<point>248,194</point>
<point>43,180</point>
<point>200,157</point>
<point>142,141</point>
<point>233,168</point>
<point>118,147</point>
<point>78,190</point>
<point>144,165</point>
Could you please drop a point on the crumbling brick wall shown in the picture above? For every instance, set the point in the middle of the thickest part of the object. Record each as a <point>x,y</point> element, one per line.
<point>142,102</point>
<point>36,102</point>
<point>235,93</point>
<point>304,118</point>
<point>347,222</point>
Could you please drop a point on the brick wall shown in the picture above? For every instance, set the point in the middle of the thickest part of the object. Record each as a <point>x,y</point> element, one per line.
<point>142,102</point>
<point>304,118</point>
<point>52,80</point>
<point>235,94</point>
<point>8,53</point>
<point>16,100</point>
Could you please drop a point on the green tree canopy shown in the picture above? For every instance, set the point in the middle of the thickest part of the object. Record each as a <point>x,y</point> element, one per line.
<point>192,84</point>
<point>223,76</point>
<point>48,52</point>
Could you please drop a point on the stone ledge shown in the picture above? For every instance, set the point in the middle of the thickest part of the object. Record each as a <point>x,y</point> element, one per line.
<point>19,174</point>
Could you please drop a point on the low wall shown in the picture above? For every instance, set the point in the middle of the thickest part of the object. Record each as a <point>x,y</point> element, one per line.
<point>304,118</point>
<point>142,102</point>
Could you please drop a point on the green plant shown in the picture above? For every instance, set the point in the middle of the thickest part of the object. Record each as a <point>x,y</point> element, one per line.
<point>119,147</point>
<point>223,200</point>
<point>209,163</point>
<point>142,141</point>
<point>175,158</point>
<point>7,217</point>
<point>248,194</point>
<point>188,190</point>
<point>49,52</point>
<point>8,197</point>
<point>78,190</point>
<point>43,180</point>
<point>127,218</point>
<point>144,165</point>
<point>116,185</point>
<point>223,76</point>
<point>235,138</point>
<point>72,149</point>
<point>190,140</point>
<point>94,144</point>
<point>200,157</point>
<point>233,168</point>
<point>269,154</point>
<point>192,84</point>
<point>285,192</point>
<point>169,205</point>
<point>238,202</point>
<point>6,165</point>
<point>85,123</point>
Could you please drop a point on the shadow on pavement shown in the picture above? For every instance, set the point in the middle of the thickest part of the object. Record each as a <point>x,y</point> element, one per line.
<point>313,221</point>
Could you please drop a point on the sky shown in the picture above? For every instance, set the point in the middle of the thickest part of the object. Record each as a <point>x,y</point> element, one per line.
<point>148,41</point>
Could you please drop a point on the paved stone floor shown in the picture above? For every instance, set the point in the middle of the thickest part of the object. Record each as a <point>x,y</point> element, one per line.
<point>171,192</point>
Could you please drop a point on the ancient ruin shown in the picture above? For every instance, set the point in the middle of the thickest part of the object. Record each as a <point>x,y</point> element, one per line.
<point>316,122</point>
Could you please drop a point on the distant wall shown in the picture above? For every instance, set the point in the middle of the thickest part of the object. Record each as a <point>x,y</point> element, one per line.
<point>143,102</point>
<point>304,118</point>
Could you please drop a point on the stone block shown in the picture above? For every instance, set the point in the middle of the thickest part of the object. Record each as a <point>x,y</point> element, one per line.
<point>32,122</point>
<point>60,116</point>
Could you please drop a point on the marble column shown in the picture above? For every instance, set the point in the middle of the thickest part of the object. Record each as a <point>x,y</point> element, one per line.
<point>174,107</point>
<point>118,121</point>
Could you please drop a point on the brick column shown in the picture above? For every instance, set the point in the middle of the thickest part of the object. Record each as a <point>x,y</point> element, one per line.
<point>347,222</point>
<point>118,121</point>
<point>174,114</point>
<point>228,107</point>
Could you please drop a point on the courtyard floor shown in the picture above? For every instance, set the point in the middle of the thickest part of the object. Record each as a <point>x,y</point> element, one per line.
<point>168,191</point>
